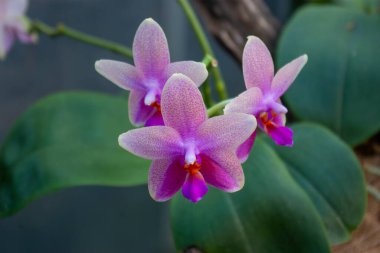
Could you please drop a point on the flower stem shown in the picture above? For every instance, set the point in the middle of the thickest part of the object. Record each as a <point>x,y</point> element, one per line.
<point>218,108</point>
<point>190,14</point>
<point>63,30</point>
<point>205,87</point>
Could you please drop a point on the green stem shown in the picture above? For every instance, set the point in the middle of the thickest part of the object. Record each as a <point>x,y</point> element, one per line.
<point>62,30</point>
<point>374,192</point>
<point>218,108</point>
<point>190,14</point>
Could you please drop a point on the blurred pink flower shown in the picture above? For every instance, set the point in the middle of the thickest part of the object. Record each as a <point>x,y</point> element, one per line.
<point>13,25</point>
<point>264,89</point>
<point>147,78</point>
<point>190,150</point>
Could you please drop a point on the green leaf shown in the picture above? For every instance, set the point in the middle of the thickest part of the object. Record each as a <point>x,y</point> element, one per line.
<point>287,204</point>
<point>66,140</point>
<point>339,85</point>
<point>330,174</point>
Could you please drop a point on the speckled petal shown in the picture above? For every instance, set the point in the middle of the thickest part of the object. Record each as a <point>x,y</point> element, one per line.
<point>258,69</point>
<point>155,142</point>
<point>195,187</point>
<point>6,40</point>
<point>150,49</point>
<point>244,149</point>
<point>223,170</point>
<point>182,105</point>
<point>196,71</point>
<point>250,102</point>
<point>225,132</point>
<point>122,74</point>
<point>286,75</point>
<point>166,177</point>
<point>139,113</point>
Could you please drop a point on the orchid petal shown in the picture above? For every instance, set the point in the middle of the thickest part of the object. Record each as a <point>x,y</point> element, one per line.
<point>258,69</point>
<point>166,177</point>
<point>122,74</point>
<point>155,120</point>
<point>226,132</point>
<point>249,102</point>
<point>6,41</point>
<point>281,135</point>
<point>150,49</point>
<point>244,149</point>
<point>286,75</point>
<point>280,119</point>
<point>195,187</point>
<point>182,105</point>
<point>196,71</point>
<point>155,142</point>
<point>139,113</point>
<point>15,8</point>
<point>223,171</point>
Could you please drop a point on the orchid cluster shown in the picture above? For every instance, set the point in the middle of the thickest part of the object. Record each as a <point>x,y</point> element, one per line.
<point>13,25</point>
<point>189,150</point>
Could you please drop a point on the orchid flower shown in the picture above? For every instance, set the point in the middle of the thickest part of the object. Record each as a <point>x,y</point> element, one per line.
<point>147,78</point>
<point>190,151</point>
<point>264,89</point>
<point>13,25</point>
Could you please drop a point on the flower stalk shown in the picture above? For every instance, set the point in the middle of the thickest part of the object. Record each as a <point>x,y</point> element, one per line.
<point>63,30</point>
<point>190,14</point>
<point>218,108</point>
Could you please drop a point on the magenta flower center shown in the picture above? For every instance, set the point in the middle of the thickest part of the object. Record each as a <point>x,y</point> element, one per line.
<point>266,119</point>
<point>193,168</point>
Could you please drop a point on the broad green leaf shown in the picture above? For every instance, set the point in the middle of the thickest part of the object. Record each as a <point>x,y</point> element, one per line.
<point>66,140</point>
<point>330,174</point>
<point>287,205</point>
<point>339,85</point>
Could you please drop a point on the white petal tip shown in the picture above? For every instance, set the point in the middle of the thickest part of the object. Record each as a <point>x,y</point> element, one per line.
<point>150,20</point>
<point>252,37</point>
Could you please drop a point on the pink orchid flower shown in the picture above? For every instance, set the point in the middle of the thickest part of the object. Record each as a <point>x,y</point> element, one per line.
<point>147,78</point>
<point>13,25</point>
<point>264,89</point>
<point>190,151</point>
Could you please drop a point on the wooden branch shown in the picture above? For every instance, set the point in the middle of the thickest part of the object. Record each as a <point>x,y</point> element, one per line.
<point>231,21</point>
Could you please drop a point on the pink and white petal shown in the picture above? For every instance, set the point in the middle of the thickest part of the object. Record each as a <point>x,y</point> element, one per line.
<point>155,120</point>
<point>7,38</point>
<point>280,119</point>
<point>281,135</point>
<point>182,105</point>
<point>150,49</point>
<point>249,102</point>
<point>166,177</point>
<point>244,149</point>
<point>15,8</point>
<point>196,71</point>
<point>195,187</point>
<point>139,113</point>
<point>223,170</point>
<point>286,76</point>
<point>226,132</point>
<point>155,142</point>
<point>258,69</point>
<point>122,74</point>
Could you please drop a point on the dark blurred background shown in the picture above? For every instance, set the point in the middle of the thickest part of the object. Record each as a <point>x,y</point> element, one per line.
<point>90,219</point>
